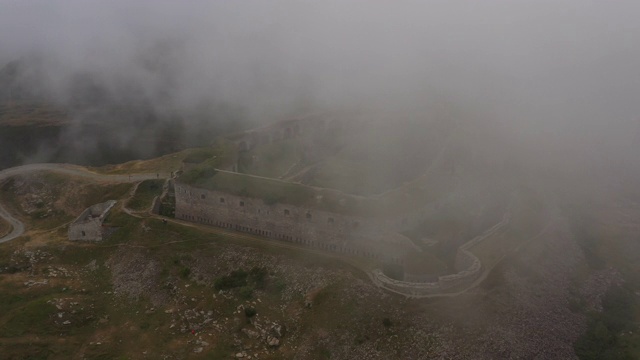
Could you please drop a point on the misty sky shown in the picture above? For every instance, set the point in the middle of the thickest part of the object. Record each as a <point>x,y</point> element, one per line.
<point>551,67</point>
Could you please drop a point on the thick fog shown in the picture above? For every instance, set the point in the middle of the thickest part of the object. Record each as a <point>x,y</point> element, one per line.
<point>557,73</point>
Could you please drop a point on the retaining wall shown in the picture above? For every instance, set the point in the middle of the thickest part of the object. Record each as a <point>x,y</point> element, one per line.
<point>468,267</point>
<point>316,228</point>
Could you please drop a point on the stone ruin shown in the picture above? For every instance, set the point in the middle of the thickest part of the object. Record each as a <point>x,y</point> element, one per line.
<point>89,225</point>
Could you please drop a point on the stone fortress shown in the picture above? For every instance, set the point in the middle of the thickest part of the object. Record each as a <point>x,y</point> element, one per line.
<point>324,221</point>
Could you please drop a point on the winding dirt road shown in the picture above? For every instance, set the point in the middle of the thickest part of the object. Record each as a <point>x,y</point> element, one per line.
<point>18,228</point>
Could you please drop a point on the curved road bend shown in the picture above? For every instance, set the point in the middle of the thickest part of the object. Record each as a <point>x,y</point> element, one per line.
<point>17,227</point>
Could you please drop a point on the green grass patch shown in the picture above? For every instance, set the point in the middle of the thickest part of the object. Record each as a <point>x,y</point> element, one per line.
<point>219,155</point>
<point>99,193</point>
<point>246,282</point>
<point>271,160</point>
<point>199,155</point>
<point>237,278</point>
<point>168,206</point>
<point>34,317</point>
<point>144,195</point>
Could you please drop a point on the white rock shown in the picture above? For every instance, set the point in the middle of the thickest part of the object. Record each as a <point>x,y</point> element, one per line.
<point>273,341</point>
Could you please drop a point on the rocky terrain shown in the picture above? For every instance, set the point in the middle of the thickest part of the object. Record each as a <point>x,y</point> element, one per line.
<point>155,290</point>
<point>129,287</point>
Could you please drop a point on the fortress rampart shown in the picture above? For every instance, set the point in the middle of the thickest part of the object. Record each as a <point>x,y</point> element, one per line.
<point>325,230</point>
<point>282,130</point>
<point>467,265</point>
<point>376,235</point>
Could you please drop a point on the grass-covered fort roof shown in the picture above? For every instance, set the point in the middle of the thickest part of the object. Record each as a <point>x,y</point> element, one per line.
<point>405,199</point>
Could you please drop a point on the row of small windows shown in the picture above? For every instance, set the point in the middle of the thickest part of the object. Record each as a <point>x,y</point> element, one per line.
<point>266,233</point>
<point>287,212</point>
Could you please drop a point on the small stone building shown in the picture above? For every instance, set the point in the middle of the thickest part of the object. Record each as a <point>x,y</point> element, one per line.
<point>88,226</point>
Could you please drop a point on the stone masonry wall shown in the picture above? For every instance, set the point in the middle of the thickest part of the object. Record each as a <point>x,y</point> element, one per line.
<point>280,131</point>
<point>88,226</point>
<point>468,267</point>
<point>316,228</point>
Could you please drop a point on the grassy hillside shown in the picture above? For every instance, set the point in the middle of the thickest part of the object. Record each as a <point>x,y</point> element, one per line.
<point>219,155</point>
<point>47,200</point>
<point>190,291</point>
<point>146,191</point>
<point>272,160</point>
<point>153,290</point>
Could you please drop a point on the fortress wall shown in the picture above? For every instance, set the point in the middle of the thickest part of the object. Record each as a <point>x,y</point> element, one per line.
<point>444,284</point>
<point>420,278</point>
<point>281,131</point>
<point>312,227</point>
<point>467,265</point>
<point>463,260</point>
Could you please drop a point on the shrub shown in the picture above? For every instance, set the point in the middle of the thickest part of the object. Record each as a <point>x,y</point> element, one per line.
<point>236,279</point>
<point>258,275</point>
<point>245,292</point>
<point>387,322</point>
<point>250,312</point>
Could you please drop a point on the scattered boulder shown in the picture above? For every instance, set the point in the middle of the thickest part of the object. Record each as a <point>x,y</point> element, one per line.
<point>250,333</point>
<point>273,341</point>
<point>310,297</point>
<point>276,329</point>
